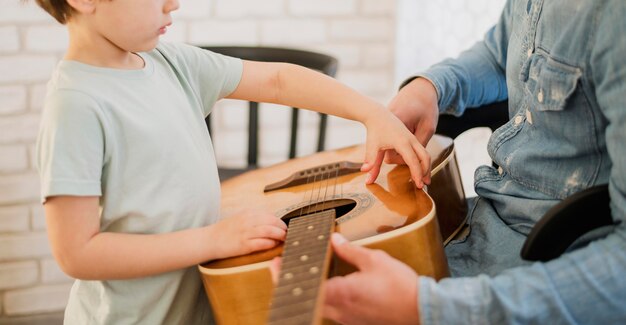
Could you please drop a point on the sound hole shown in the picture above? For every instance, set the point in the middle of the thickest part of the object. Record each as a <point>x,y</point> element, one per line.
<point>341,207</point>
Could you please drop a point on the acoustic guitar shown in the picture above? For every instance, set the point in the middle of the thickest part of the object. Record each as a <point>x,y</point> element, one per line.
<point>317,195</point>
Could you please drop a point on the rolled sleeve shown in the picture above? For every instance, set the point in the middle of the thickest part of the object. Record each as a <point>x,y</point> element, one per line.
<point>70,147</point>
<point>584,286</point>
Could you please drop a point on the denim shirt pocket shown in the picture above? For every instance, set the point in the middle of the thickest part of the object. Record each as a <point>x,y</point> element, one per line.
<point>549,82</point>
<point>557,113</point>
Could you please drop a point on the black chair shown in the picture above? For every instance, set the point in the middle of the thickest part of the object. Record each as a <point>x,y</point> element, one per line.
<point>564,223</point>
<point>317,61</point>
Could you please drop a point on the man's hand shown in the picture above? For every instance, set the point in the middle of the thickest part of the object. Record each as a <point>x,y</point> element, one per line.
<point>416,106</point>
<point>382,291</point>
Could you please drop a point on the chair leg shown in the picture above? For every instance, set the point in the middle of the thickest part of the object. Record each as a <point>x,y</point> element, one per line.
<point>294,133</point>
<point>253,134</point>
<point>321,140</point>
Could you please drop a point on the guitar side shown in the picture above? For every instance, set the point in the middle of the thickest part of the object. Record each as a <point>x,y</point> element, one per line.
<point>240,290</point>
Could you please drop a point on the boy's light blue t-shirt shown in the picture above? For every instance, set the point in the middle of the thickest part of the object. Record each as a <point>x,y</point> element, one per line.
<point>137,139</point>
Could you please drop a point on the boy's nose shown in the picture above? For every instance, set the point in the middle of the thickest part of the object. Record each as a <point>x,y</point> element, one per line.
<point>170,6</point>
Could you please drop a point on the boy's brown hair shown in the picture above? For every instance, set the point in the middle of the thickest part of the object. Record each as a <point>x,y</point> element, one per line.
<point>59,9</point>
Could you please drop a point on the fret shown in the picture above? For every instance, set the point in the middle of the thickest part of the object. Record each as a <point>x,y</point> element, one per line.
<point>305,263</point>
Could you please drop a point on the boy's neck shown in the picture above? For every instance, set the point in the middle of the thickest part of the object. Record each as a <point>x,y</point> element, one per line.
<point>98,51</point>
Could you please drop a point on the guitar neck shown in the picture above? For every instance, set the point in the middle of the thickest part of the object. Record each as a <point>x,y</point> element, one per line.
<point>297,298</point>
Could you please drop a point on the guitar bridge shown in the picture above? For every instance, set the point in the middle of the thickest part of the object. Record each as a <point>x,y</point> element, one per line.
<point>315,174</point>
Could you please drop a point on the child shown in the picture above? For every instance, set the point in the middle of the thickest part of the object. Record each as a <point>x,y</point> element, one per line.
<point>129,180</point>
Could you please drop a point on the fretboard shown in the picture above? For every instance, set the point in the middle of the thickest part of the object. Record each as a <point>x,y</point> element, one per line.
<point>297,297</point>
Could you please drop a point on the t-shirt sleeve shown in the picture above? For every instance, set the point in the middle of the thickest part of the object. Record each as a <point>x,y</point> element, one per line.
<point>213,76</point>
<point>70,146</point>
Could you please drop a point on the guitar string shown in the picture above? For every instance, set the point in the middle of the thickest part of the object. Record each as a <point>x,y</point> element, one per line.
<point>308,181</point>
<point>314,193</point>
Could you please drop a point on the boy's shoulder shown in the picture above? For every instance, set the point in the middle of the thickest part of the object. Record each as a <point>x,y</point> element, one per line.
<point>180,52</point>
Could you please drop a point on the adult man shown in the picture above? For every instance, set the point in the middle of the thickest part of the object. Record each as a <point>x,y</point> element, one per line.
<point>562,66</point>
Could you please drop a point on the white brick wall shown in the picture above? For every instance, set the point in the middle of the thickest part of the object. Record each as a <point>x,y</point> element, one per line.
<point>36,300</point>
<point>14,219</point>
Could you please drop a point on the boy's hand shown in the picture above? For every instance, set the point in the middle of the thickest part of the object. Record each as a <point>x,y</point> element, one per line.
<point>245,233</point>
<point>386,132</point>
<point>416,106</point>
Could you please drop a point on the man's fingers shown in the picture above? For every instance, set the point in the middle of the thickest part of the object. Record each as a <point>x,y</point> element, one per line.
<point>356,255</point>
<point>275,269</point>
<point>424,159</point>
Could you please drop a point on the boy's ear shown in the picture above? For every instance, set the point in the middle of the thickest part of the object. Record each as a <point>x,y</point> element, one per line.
<point>83,6</point>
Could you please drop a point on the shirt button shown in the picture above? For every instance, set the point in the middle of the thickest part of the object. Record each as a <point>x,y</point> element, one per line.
<point>500,171</point>
<point>530,52</point>
<point>540,96</point>
<point>518,120</point>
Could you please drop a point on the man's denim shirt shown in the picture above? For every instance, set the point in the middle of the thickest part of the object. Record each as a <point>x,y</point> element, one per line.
<point>562,66</point>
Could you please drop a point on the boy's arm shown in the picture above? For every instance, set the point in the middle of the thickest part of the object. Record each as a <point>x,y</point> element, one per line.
<point>84,252</point>
<point>296,86</point>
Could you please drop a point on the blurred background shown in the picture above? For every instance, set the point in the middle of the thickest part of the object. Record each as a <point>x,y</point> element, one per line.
<point>378,44</point>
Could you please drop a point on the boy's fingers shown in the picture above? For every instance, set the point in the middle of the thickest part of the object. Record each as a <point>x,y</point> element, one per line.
<point>374,168</point>
<point>412,160</point>
<point>424,159</point>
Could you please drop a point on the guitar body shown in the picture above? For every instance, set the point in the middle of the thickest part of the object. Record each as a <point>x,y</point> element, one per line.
<point>391,214</point>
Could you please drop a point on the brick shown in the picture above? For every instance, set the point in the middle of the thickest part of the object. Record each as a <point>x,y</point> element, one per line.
<point>273,146</point>
<point>378,56</point>
<point>14,219</point>
<point>293,32</point>
<point>274,116</point>
<point>32,156</point>
<point>51,272</point>
<point>26,68</point>
<point>374,29</point>
<point>22,12</point>
<point>230,149</point>
<point>19,188</point>
<point>378,7</point>
<point>249,8</point>
<point>24,246</point>
<point>19,128</point>
<point>326,8</point>
<point>231,115</point>
<point>37,217</point>
<point>343,133</point>
<point>14,158</point>
<point>192,9</point>
<point>18,274</point>
<point>12,99</point>
<point>40,299</point>
<point>223,33</point>
<point>49,38</point>
<point>37,97</point>
<point>347,55</point>
<point>370,82</point>
<point>10,39</point>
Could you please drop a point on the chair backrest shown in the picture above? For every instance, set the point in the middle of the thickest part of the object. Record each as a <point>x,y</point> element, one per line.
<point>492,116</point>
<point>317,61</point>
